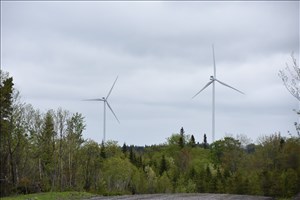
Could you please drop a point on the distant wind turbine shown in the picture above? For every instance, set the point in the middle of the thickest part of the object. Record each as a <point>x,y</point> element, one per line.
<point>105,102</point>
<point>213,79</point>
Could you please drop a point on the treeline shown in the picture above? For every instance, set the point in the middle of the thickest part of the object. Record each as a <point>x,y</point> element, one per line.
<point>46,152</point>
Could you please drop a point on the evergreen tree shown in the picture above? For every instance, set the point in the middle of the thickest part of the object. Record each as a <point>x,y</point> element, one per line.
<point>181,138</point>
<point>207,179</point>
<point>6,151</point>
<point>140,162</point>
<point>47,150</point>
<point>132,155</point>
<point>103,151</point>
<point>192,141</point>
<point>6,95</point>
<point>163,165</point>
<point>32,154</point>
<point>124,148</point>
<point>205,145</point>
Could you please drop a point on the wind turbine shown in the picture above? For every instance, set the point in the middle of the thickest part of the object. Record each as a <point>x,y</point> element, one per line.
<point>212,81</point>
<point>105,102</point>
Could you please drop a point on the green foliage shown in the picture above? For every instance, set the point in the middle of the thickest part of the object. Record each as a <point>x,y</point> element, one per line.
<point>289,183</point>
<point>164,184</point>
<point>192,142</point>
<point>46,152</point>
<point>163,165</point>
<point>118,173</point>
<point>227,153</point>
<point>90,166</point>
<point>151,179</point>
<point>7,166</point>
<point>112,149</point>
<point>124,148</point>
<point>6,95</point>
<point>52,196</point>
<point>174,140</point>
<point>103,150</point>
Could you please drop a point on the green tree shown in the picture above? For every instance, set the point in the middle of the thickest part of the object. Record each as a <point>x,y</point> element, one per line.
<point>164,184</point>
<point>205,144</point>
<point>289,183</point>
<point>112,149</point>
<point>19,140</point>
<point>74,139</point>
<point>138,183</point>
<point>103,150</point>
<point>47,152</point>
<point>289,154</point>
<point>90,164</point>
<point>151,180</point>
<point>163,165</point>
<point>269,153</point>
<point>192,142</point>
<point>7,165</point>
<point>181,141</point>
<point>6,98</point>
<point>227,153</point>
<point>183,160</point>
<point>132,155</point>
<point>173,142</point>
<point>13,136</point>
<point>118,173</point>
<point>34,125</point>
<point>124,148</point>
<point>278,160</point>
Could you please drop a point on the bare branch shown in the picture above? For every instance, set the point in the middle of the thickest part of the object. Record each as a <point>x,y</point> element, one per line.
<point>291,78</point>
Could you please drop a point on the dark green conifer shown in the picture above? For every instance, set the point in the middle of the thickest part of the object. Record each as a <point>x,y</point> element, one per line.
<point>124,148</point>
<point>163,165</point>
<point>181,138</point>
<point>205,145</point>
<point>192,141</point>
<point>103,151</point>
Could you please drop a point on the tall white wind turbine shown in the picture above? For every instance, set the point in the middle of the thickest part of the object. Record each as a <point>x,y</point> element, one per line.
<point>213,79</point>
<point>105,102</point>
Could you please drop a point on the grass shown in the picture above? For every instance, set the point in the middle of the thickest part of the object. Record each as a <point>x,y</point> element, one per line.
<point>52,196</point>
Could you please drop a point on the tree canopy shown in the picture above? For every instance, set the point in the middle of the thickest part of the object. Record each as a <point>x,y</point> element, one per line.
<point>47,152</point>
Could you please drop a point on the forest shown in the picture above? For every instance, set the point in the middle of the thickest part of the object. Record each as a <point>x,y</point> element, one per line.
<point>43,152</point>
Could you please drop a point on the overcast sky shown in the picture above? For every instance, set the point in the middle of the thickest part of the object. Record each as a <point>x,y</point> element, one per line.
<point>62,52</point>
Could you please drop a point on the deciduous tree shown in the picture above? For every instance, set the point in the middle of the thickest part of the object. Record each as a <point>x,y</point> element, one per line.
<point>291,78</point>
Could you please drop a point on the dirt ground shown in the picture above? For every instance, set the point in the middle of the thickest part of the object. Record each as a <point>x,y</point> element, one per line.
<point>183,197</point>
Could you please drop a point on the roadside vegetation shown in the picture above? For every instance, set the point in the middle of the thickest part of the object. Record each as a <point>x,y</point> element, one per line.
<point>52,196</point>
<point>45,152</point>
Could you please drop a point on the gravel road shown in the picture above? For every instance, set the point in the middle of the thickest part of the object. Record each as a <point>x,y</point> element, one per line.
<point>183,197</point>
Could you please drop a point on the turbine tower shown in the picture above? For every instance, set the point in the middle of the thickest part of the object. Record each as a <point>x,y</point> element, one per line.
<point>105,103</point>
<point>212,81</point>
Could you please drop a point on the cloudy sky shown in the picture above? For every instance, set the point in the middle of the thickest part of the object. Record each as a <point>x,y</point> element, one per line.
<point>62,52</point>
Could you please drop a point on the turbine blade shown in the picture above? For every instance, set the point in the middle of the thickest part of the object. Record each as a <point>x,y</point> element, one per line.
<point>92,100</point>
<point>230,86</point>
<point>203,88</point>
<point>111,88</point>
<point>215,72</point>
<point>112,111</point>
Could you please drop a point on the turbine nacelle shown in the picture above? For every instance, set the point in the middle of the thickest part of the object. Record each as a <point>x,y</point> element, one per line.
<point>104,99</point>
<point>213,79</point>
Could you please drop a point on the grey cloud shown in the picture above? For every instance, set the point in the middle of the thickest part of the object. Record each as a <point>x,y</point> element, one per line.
<point>62,52</point>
